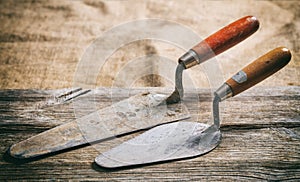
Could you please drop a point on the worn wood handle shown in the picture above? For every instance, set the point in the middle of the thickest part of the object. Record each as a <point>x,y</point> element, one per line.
<point>259,70</point>
<point>227,37</point>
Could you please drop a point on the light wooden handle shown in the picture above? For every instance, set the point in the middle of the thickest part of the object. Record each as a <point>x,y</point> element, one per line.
<point>259,70</point>
<point>227,37</point>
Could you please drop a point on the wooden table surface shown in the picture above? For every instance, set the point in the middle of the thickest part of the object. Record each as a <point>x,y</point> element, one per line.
<point>260,130</point>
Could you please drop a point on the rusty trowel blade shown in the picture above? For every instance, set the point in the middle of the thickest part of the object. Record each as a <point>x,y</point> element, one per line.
<point>163,143</point>
<point>141,111</point>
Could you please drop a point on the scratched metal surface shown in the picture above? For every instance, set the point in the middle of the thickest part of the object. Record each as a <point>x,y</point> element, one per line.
<point>133,114</point>
<point>173,141</point>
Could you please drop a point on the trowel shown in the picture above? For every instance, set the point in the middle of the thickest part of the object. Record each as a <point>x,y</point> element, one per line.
<point>139,112</point>
<point>181,140</point>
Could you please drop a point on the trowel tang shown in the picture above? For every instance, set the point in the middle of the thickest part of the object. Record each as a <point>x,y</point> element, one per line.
<point>190,139</point>
<point>213,45</point>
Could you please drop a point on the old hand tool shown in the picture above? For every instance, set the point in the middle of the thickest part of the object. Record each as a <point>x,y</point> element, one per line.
<point>215,44</point>
<point>189,139</point>
<point>132,114</point>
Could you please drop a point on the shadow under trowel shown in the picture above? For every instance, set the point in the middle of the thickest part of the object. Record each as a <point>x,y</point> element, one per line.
<point>8,158</point>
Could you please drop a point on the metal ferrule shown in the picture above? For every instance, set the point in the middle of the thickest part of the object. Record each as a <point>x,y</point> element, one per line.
<point>224,92</point>
<point>189,59</point>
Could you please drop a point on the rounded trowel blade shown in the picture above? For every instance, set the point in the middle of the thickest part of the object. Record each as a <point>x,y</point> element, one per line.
<point>163,143</point>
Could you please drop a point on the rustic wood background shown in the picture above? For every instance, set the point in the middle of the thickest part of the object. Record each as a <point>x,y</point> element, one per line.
<point>42,42</point>
<point>260,129</point>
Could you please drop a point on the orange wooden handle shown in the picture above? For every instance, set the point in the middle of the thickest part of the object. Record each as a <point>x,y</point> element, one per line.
<point>259,69</point>
<point>227,37</point>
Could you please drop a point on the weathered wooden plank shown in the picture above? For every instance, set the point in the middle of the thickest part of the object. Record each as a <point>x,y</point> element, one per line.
<point>41,42</point>
<point>260,128</point>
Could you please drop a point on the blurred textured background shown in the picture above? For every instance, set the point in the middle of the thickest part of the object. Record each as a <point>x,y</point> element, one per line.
<point>41,42</point>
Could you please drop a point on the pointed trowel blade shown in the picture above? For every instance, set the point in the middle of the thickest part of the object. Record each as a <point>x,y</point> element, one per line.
<point>163,143</point>
<point>141,111</point>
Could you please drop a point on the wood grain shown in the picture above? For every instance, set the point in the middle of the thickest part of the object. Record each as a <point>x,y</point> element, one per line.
<point>260,128</point>
<point>226,37</point>
<point>42,42</point>
<point>260,69</point>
